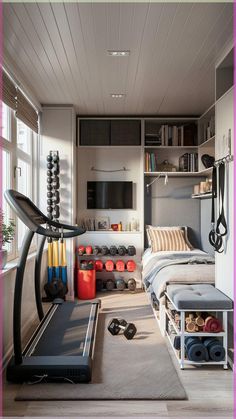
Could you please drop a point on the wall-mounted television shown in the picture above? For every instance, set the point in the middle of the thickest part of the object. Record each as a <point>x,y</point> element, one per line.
<point>110,195</point>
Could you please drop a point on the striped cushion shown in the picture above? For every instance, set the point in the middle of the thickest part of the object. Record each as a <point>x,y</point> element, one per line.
<point>168,240</point>
<point>183,228</point>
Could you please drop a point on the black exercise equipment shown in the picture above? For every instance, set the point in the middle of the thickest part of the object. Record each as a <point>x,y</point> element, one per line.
<point>104,250</point>
<point>122,250</point>
<point>120,284</point>
<point>219,227</point>
<point>110,285</point>
<point>116,325</point>
<point>131,284</point>
<point>96,250</point>
<point>131,250</point>
<point>99,284</point>
<point>52,354</point>
<point>113,250</point>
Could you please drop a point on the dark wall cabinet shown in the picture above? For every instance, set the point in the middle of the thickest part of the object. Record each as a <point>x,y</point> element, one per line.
<point>110,132</point>
<point>125,132</point>
<point>94,132</point>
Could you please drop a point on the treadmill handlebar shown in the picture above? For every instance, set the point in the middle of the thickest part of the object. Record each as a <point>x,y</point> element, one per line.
<point>33,218</point>
<point>74,231</point>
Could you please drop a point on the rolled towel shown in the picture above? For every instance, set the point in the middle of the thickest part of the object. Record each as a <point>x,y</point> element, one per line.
<point>212,325</point>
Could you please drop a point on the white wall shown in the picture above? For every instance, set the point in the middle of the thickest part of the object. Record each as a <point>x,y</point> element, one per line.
<point>29,312</point>
<point>58,133</point>
<point>110,158</point>
<point>224,261</point>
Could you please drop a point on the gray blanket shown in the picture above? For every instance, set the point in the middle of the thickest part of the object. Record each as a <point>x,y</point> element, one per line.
<point>155,266</point>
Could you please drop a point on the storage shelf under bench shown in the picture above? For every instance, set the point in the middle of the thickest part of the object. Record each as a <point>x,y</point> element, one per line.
<point>183,334</point>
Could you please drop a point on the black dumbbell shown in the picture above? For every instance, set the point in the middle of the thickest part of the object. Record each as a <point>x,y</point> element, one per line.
<point>104,250</point>
<point>96,250</point>
<point>120,284</point>
<point>113,250</point>
<point>55,158</point>
<point>99,284</point>
<point>121,250</point>
<point>115,325</point>
<point>50,165</point>
<point>110,285</point>
<point>131,250</point>
<point>131,284</point>
<point>49,158</point>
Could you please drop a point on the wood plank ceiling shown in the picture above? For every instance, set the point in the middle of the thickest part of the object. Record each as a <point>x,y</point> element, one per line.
<point>60,50</point>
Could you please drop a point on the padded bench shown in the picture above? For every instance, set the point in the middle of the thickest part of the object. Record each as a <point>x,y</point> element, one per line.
<point>194,298</point>
<point>198,297</point>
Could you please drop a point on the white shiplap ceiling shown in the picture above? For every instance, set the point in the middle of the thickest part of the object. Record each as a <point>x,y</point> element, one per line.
<point>60,51</point>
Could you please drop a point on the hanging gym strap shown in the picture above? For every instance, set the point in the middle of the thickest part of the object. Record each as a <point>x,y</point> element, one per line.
<point>217,233</point>
<point>214,239</point>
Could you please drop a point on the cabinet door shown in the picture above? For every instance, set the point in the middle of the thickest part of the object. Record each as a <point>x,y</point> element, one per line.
<point>94,132</point>
<point>125,132</point>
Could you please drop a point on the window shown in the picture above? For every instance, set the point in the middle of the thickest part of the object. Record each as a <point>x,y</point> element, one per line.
<point>18,169</point>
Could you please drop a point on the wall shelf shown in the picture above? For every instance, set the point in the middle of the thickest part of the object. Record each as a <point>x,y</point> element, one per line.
<point>208,143</point>
<point>202,196</point>
<point>168,147</point>
<point>178,174</point>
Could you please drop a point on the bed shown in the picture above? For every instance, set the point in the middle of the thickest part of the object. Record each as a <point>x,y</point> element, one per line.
<point>162,268</point>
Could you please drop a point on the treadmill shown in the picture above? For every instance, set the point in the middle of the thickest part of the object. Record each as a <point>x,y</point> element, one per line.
<point>62,347</point>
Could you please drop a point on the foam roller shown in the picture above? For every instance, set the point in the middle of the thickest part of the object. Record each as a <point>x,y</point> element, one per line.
<point>215,349</point>
<point>196,350</point>
<point>212,325</point>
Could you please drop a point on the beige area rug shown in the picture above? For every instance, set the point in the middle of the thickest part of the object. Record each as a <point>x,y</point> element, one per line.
<point>139,369</point>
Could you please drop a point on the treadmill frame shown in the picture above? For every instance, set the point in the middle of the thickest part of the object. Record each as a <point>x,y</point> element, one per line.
<point>23,366</point>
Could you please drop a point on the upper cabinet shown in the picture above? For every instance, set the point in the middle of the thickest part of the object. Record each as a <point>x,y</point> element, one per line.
<point>125,132</point>
<point>225,75</point>
<point>114,132</point>
<point>94,132</point>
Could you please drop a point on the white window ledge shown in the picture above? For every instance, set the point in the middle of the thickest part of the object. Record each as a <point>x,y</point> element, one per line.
<point>12,265</point>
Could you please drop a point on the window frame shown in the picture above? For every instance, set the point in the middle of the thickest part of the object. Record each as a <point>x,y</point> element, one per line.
<point>16,153</point>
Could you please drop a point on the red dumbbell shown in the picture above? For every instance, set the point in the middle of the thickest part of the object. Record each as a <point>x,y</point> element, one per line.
<point>98,265</point>
<point>81,250</point>
<point>109,265</point>
<point>120,266</point>
<point>130,265</point>
<point>89,250</point>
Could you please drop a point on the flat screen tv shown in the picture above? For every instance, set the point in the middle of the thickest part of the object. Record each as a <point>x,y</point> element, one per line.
<point>109,195</point>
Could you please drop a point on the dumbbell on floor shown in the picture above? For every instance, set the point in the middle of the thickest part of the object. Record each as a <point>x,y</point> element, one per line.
<point>115,325</point>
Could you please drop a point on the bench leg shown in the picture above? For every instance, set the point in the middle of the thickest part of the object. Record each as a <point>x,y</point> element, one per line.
<point>225,340</point>
<point>182,330</point>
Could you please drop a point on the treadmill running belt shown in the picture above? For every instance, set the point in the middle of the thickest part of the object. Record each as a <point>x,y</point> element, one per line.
<point>66,331</point>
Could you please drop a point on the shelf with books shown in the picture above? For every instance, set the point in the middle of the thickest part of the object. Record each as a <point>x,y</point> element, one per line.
<point>178,161</point>
<point>170,133</point>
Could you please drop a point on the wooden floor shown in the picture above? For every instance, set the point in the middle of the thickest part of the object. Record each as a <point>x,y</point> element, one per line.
<point>209,390</point>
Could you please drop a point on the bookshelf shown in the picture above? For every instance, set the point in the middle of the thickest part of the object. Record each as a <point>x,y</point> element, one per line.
<point>176,145</point>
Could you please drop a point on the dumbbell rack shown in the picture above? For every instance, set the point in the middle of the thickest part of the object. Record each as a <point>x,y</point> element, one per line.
<point>180,331</point>
<point>53,185</point>
<point>106,275</point>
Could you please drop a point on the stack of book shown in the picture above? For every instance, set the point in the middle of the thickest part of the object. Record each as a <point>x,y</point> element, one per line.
<point>188,162</point>
<point>150,162</point>
<point>172,135</point>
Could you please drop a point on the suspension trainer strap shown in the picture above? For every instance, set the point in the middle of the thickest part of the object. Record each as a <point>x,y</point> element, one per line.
<point>221,225</point>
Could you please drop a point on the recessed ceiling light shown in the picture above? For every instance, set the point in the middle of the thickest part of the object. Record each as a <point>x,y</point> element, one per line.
<point>114,53</point>
<point>117,95</point>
